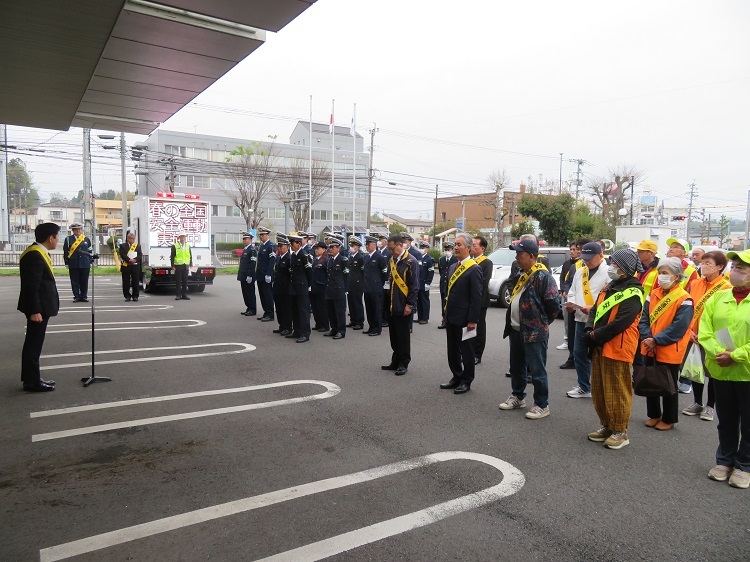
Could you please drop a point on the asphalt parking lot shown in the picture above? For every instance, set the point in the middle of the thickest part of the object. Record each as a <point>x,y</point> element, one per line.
<point>219,440</point>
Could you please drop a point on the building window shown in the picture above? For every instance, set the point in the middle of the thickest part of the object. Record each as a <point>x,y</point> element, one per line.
<point>442,217</point>
<point>55,215</point>
<point>411,229</point>
<point>214,210</point>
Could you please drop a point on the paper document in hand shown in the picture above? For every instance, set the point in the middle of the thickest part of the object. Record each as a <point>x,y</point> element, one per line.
<point>132,255</point>
<point>467,334</point>
<point>725,339</point>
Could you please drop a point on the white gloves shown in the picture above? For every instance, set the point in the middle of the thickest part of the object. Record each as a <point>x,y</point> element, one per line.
<point>426,287</point>
<point>248,279</point>
<point>268,278</point>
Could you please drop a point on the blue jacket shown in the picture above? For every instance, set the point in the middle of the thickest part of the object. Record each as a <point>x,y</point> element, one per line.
<point>319,274</point>
<point>81,258</point>
<point>248,260</point>
<point>266,259</point>
<point>376,272</point>
<point>426,270</point>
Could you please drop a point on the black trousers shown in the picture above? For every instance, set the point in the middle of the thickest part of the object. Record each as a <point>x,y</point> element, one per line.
<point>248,295</point>
<point>356,308</point>
<point>480,341</point>
<point>265,291</point>
<point>374,309</point>
<point>32,349</point>
<point>131,281</point>
<point>283,310</point>
<point>572,334</point>
<point>79,281</point>
<point>671,403</point>
<point>386,306</point>
<point>301,314</point>
<point>398,329</point>
<point>319,310</point>
<point>180,278</point>
<point>423,305</point>
<point>337,315</point>
<point>460,353</point>
<point>733,410</point>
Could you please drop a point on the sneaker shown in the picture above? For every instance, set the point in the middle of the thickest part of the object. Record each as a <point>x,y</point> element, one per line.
<point>600,435</point>
<point>685,388</point>
<point>512,403</point>
<point>708,414</point>
<point>578,392</point>
<point>693,410</point>
<point>719,473</point>
<point>562,346</point>
<point>537,412</point>
<point>617,440</point>
<point>739,479</point>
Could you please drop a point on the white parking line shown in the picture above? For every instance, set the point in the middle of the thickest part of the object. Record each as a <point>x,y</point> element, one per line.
<point>115,308</point>
<point>513,480</point>
<point>164,324</point>
<point>245,347</point>
<point>331,390</point>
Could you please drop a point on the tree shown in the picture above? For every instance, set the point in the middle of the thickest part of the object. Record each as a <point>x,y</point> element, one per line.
<point>57,197</point>
<point>376,217</point>
<point>396,228</point>
<point>109,195</point>
<point>499,181</point>
<point>610,191</point>
<point>554,213</point>
<point>293,187</point>
<point>21,191</point>
<point>521,228</point>
<point>723,230</point>
<point>253,173</point>
<point>441,227</point>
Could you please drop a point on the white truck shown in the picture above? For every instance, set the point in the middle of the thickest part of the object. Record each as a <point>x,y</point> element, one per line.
<point>157,221</point>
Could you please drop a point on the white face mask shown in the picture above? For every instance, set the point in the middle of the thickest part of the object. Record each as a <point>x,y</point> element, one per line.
<point>448,253</point>
<point>613,273</point>
<point>665,281</point>
<point>738,279</point>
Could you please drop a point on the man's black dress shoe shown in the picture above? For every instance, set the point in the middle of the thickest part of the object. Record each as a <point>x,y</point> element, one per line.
<point>508,374</point>
<point>185,298</point>
<point>400,371</point>
<point>451,384</point>
<point>331,333</point>
<point>323,329</point>
<point>349,325</point>
<point>41,387</point>
<point>373,333</point>
<point>441,327</point>
<point>127,299</point>
<point>48,383</point>
<point>285,333</point>
<point>267,319</point>
<point>477,360</point>
<point>135,299</point>
<point>339,336</point>
<point>461,388</point>
<point>568,365</point>
<point>83,300</point>
<point>177,298</point>
<point>277,331</point>
<point>302,339</point>
<point>423,322</point>
<point>357,327</point>
<point>384,324</point>
<point>292,335</point>
<point>389,367</point>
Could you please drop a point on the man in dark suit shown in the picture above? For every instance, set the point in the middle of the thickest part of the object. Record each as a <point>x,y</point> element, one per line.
<point>463,305</point>
<point>356,284</point>
<point>265,272</point>
<point>444,263</point>
<point>417,255</point>
<point>39,301</point>
<point>246,274</point>
<point>426,274</point>
<point>299,289</point>
<point>376,274</point>
<point>478,247</point>
<point>318,287</point>
<point>404,290</point>
<point>131,261</point>
<point>386,253</point>
<point>77,252</point>
<point>336,273</point>
<point>281,281</point>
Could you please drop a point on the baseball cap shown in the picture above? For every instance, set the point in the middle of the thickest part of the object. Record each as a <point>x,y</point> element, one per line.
<point>528,246</point>
<point>648,245</point>
<point>681,241</point>
<point>744,256</point>
<point>590,250</point>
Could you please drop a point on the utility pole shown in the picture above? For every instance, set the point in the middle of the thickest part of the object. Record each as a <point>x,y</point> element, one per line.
<point>88,207</point>
<point>370,175</point>
<point>124,187</point>
<point>579,162</point>
<point>747,220</point>
<point>632,196</point>
<point>559,186</point>
<point>434,217</point>
<point>693,194</point>
<point>5,229</point>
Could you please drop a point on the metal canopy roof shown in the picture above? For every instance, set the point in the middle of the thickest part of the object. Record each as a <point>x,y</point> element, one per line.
<point>123,65</point>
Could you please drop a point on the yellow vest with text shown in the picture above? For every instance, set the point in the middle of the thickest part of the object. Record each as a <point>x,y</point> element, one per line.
<point>181,254</point>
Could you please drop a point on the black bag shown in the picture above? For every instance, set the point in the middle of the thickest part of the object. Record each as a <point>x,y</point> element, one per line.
<point>653,379</point>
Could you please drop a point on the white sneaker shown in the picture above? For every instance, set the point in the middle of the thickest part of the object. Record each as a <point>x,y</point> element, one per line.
<point>512,403</point>
<point>708,414</point>
<point>562,346</point>
<point>578,392</point>
<point>693,410</point>
<point>537,412</point>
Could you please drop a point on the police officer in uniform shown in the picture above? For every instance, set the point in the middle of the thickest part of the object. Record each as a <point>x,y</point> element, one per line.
<point>336,274</point>
<point>265,272</point>
<point>77,251</point>
<point>181,258</point>
<point>281,282</point>
<point>246,274</point>
<point>444,263</point>
<point>131,259</point>
<point>356,284</point>
<point>426,274</point>
<point>375,276</point>
<point>299,289</point>
<point>318,287</point>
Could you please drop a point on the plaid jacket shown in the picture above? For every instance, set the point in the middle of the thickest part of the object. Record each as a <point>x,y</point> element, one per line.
<point>538,307</point>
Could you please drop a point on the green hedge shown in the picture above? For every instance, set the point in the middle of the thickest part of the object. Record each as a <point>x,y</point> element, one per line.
<point>229,246</point>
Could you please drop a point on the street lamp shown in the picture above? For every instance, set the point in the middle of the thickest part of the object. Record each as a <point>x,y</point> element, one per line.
<point>622,212</point>
<point>122,177</point>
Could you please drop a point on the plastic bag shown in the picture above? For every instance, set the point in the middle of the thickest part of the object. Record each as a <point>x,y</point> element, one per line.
<point>692,368</point>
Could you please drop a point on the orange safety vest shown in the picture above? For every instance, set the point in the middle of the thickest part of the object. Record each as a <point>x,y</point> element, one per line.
<point>620,348</point>
<point>673,353</point>
<point>699,288</point>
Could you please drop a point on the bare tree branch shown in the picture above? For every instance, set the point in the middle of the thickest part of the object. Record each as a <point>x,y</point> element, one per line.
<point>293,186</point>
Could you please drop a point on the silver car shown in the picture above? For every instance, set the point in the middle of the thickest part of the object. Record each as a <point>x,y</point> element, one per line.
<point>503,259</point>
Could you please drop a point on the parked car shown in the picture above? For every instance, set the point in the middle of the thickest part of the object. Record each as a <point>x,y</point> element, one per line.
<point>502,260</point>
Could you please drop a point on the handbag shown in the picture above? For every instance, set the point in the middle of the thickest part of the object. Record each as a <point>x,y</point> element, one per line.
<point>652,379</point>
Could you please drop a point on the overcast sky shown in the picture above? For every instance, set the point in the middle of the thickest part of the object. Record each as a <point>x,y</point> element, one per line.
<point>459,89</point>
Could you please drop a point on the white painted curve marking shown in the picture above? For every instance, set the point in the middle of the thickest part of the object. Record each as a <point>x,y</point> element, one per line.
<point>134,325</point>
<point>331,390</point>
<point>513,481</point>
<point>115,308</point>
<point>245,348</point>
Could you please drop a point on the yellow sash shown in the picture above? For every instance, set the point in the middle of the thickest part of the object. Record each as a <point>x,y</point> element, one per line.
<point>588,298</point>
<point>649,280</point>
<point>400,283</point>
<point>131,249</point>
<point>616,298</point>
<point>720,286</point>
<point>579,264</point>
<point>45,255</point>
<point>521,283</point>
<point>74,245</point>
<point>668,300</point>
<point>456,274</point>
<point>480,259</point>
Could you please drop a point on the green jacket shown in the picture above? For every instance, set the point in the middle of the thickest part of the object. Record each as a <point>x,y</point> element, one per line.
<point>722,311</point>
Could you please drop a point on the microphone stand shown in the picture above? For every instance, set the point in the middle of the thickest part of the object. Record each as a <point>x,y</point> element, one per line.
<point>93,378</point>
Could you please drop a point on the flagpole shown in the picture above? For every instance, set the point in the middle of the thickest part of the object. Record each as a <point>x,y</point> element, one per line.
<point>333,168</point>
<point>309,192</point>
<point>354,171</point>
